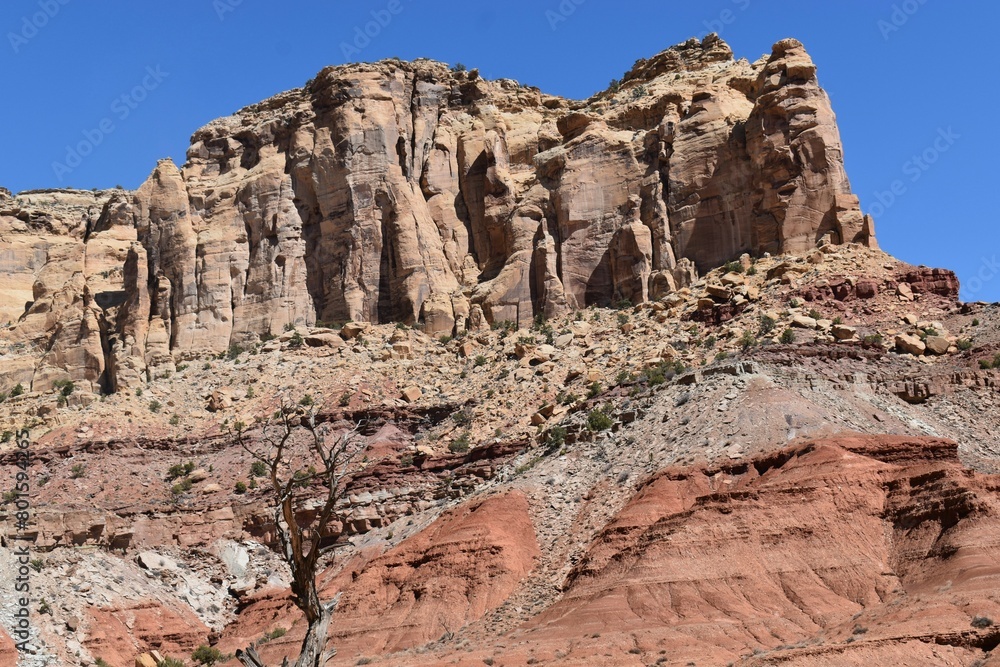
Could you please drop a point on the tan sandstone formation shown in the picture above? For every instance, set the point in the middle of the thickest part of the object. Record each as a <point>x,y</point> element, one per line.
<point>405,191</point>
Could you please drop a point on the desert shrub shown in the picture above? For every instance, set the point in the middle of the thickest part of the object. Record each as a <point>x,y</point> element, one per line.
<point>240,488</point>
<point>154,406</point>
<point>594,389</point>
<point>788,336</point>
<point>234,351</point>
<point>297,340</point>
<point>460,445</point>
<point>733,267</point>
<point>873,340</point>
<point>598,420</point>
<point>555,437</point>
<point>207,655</point>
<point>18,390</point>
<point>964,344</point>
<point>748,340</point>
<point>982,622</point>
<point>767,325</point>
<point>480,360</point>
<point>77,471</point>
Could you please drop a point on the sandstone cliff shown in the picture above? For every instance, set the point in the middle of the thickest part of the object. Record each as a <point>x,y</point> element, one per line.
<point>409,192</point>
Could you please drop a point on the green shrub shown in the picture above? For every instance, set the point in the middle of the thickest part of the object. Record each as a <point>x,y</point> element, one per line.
<point>480,360</point>
<point>77,471</point>
<point>18,390</point>
<point>460,445</point>
<point>555,437</point>
<point>982,622</point>
<point>598,420</point>
<point>345,398</point>
<point>234,351</point>
<point>594,390</point>
<point>815,314</point>
<point>569,399</point>
<point>240,488</point>
<point>722,356</point>
<point>307,401</point>
<point>183,486</point>
<point>154,406</point>
<point>873,340</point>
<point>101,662</point>
<point>733,267</point>
<point>207,655</point>
<point>444,340</point>
<point>767,325</point>
<point>748,340</point>
<point>788,336</point>
<point>297,340</point>
<point>975,322</point>
<point>258,469</point>
<point>985,364</point>
<point>170,662</point>
<point>65,387</point>
<point>7,436</point>
<point>175,420</point>
<point>964,344</point>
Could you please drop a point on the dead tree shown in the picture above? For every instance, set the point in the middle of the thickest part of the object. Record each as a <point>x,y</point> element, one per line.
<point>301,544</point>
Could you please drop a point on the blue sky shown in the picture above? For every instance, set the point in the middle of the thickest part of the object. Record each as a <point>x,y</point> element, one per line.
<point>913,83</point>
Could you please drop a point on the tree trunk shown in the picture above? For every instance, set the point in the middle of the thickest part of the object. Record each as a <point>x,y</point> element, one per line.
<point>313,652</point>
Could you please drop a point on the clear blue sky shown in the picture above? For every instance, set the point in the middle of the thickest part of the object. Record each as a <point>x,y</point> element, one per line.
<point>922,80</point>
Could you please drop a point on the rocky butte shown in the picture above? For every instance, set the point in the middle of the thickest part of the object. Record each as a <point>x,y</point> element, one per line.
<point>633,382</point>
<point>407,192</point>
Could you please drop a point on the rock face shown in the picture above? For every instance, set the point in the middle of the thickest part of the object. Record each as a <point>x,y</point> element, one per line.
<point>407,192</point>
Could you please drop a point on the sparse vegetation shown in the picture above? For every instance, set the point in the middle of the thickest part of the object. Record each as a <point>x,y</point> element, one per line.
<point>307,401</point>
<point>733,267</point>
<point>555,437</point>
<point>234,351</point>
<point>767,325</point>
<point>77,471</point>
<point>599,420</point>
<point>240,488</point>
<point>18,390</point>
<point>297,341</point>
<point>154,406</point>
<point>208,655</point>
<point>964,344</point>
<point>460,445</point>
<point>183,486</point>
<point>175,420</point>
<point>258,469</point>
<point>594,390</point>
<point>788,336</point>
<point>748,340</point>
<point>982,622</point>
<point>873,340</point>
<point>480,360</point>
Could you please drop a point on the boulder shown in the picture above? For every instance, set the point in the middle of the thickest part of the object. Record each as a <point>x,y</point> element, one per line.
<point>910,344</point>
